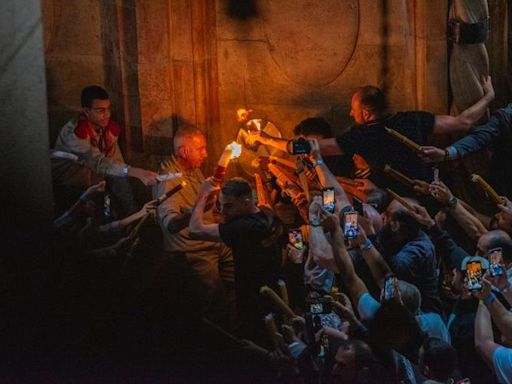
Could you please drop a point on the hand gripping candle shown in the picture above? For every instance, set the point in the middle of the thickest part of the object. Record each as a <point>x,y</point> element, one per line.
<point>232,151</point>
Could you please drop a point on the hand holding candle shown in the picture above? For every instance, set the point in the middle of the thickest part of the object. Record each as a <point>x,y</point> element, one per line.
<point>232,151</point>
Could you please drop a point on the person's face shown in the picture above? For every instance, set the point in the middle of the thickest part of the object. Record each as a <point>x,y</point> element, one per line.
<point>194,151</point>
<point>344,367</point>
<point>504,222</point>
<point>99,113</point>
<point>231,207</point>
<point>356,110</point>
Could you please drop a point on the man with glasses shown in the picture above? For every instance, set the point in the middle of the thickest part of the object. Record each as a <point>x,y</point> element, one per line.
<point>211,262</point>
<point>92,138</point>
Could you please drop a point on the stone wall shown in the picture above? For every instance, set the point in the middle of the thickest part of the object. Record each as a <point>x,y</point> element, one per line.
<point>169,61</point>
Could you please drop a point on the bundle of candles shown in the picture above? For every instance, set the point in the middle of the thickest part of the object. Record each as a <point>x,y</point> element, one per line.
<point>170,192</point>
<point>404,139</point>
<point>280,304</point>
<point>263,198</point>
<point>493,195</point>
<point>232,151</point>
<point>398,176</point>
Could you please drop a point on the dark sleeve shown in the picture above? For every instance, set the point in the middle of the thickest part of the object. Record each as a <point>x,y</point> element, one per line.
<point>241,230</point>
<point>483,135</point>
<point>446,247</point>
<point>417,125</point>
<point>350,142</point>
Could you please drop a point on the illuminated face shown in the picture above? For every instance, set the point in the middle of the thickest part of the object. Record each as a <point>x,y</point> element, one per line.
<point>99,113</point>
<point>231,207</point>
<point>194,151</point>
<point>356,109</point>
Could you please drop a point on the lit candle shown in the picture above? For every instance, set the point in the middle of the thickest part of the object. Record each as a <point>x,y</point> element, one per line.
<point>232,151</point>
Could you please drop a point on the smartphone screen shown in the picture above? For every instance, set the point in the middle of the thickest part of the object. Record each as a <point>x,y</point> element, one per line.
<point>496,267</point>
<point>328,199</point>
<point>474,275</point>
<point>295,238</point>
<point>358,206</point>
<point>389,288</point>
<point>351,225</point>
<point>436,174</point>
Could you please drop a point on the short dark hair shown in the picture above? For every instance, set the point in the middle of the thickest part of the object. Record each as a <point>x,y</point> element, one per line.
<point>440,358</point>
<point>237,187</point>
<point>92,92</point>
<point>313,126</point>
<point>500,239</point>
<point>372,98</point>
<point>408,224</point>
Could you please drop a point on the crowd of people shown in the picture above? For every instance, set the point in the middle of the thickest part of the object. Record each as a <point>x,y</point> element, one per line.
<point>324,267</point>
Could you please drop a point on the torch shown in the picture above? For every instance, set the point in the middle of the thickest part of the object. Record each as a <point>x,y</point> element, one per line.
<point>232,151</point>
<point>404,140</point>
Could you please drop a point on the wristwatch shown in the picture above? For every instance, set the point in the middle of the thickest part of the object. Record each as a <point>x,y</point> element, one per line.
<point>452,202</point>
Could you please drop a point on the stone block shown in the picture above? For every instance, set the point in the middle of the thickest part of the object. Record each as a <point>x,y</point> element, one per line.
<point>67,75</point>
<point>153,31</point>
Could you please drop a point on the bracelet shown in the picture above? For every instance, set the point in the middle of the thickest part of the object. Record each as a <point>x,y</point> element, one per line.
<point>314,222</point>
<point>489,299</point>
<point>83,198</point>
<point>318,162</point>
<point>366,246</point>
<point>453,152</point>
<point>452,202</point>
<point>125,170</point>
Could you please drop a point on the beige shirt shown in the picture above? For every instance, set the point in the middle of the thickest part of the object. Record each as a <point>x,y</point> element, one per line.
<point>173,206</point>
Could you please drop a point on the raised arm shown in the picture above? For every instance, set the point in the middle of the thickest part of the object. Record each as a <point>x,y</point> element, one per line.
<point>445,124</point>
<point>327,179</point>
<point>198,229</point>
<point>477,138</point>
<point>378,266</point>
<point>468,222</point>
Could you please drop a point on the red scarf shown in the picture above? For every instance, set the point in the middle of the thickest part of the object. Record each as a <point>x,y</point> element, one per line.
<point>108,136</point>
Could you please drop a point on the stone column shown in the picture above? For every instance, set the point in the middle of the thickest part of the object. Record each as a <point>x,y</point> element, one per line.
<point>26,193</point>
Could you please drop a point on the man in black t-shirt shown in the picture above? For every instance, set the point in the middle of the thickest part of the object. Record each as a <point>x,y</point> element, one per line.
<point>253,234</point>
<point>370,139</point>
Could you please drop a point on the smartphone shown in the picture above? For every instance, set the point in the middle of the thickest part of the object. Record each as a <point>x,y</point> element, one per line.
<point>300,147</point>
<point>328,199</point>
<point>351,225</point>
<point>390,285</point>
<point>474,275</point>
<point>496,266</point>
<point>295,238</point>
<point>358,206</point>
<point>436,174</point>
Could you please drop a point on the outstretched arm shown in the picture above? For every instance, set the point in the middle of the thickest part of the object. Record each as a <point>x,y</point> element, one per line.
<point>445,124</point>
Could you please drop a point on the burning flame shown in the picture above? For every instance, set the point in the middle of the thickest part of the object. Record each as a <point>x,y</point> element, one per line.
<point>236,149</point>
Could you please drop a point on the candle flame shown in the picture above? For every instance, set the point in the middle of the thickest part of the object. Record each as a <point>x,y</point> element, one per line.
<point>236,149</point>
